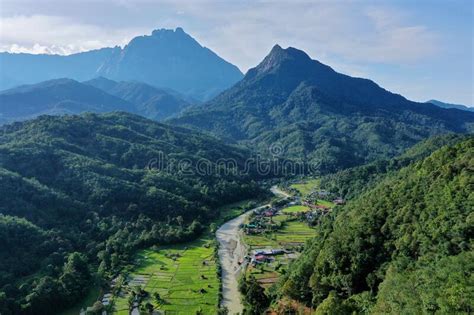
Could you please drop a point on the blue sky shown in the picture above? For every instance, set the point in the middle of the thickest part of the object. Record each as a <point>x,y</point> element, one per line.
<point>420,49</point>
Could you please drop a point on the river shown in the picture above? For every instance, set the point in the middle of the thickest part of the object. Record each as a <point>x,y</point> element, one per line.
<point>232,250</point>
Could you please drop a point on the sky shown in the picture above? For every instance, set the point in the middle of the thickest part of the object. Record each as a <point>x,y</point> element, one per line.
<point>420,49</point>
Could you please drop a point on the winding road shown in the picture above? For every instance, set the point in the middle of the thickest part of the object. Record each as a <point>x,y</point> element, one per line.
<point>232,250</point>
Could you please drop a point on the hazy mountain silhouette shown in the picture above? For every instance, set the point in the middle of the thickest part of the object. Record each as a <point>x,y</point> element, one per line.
<point>167,59</point>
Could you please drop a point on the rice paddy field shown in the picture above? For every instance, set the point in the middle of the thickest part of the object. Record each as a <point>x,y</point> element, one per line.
<point>183,275</point>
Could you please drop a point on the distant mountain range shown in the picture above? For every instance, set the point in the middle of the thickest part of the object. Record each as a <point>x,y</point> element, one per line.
<point>100,95</point>
<point>167,59</point>
<point>313,113</point>
<point>448,105</point>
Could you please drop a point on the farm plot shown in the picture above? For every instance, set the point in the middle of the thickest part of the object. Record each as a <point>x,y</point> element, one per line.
<point>184,277</point>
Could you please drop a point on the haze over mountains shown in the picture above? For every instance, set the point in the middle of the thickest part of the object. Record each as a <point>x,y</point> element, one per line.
<point>166,59</point>
<point>319,115</point>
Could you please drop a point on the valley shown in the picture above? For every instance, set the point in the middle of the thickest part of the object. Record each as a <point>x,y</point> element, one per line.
<point>193,277</point>
<point>141,173</point>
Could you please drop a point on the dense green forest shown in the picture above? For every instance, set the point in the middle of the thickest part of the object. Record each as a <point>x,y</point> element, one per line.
<point>402,247</point>
<point>79,194</point>
<point>351,182</point>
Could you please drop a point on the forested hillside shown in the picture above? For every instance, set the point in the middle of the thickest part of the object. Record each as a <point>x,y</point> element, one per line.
<point>78,194</point>
<point>315,114</point>
<point>351,182</point>
<point>402,247</point>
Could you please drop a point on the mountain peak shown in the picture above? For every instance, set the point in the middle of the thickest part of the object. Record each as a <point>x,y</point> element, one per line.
<point>276,49</point>
<point>279,56</point>
<point>163,32</point>
<point>290,52</point>
<point>173,59</point>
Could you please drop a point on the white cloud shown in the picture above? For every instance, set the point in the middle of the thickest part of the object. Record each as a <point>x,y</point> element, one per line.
<point>58,35</point>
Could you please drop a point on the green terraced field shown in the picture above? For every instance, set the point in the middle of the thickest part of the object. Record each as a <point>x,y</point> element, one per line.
<point>187,283</point>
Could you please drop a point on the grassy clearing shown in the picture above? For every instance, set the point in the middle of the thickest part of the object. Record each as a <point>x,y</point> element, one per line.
<point>294,209</point>
<point>325,203</point>
<point>306,186</point>
<point>233,210</point>
<point>183,275</point>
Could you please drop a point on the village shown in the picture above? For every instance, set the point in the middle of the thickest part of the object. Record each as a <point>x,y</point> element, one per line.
<point>276,234</point>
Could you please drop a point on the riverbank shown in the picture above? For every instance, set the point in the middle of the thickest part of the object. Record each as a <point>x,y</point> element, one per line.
<point>231,256</point>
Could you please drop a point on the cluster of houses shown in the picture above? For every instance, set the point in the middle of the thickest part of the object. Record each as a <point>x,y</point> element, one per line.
<point>106,299</point>
<point>261,221</point>
<point>316,195</point>
<point>259,256</point>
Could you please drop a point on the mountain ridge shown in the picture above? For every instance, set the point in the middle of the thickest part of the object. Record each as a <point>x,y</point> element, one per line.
<point>318,114</point>
<point>449,105</point>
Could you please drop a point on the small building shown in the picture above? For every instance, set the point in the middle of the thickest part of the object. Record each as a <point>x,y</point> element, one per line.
<point>278,251</point>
